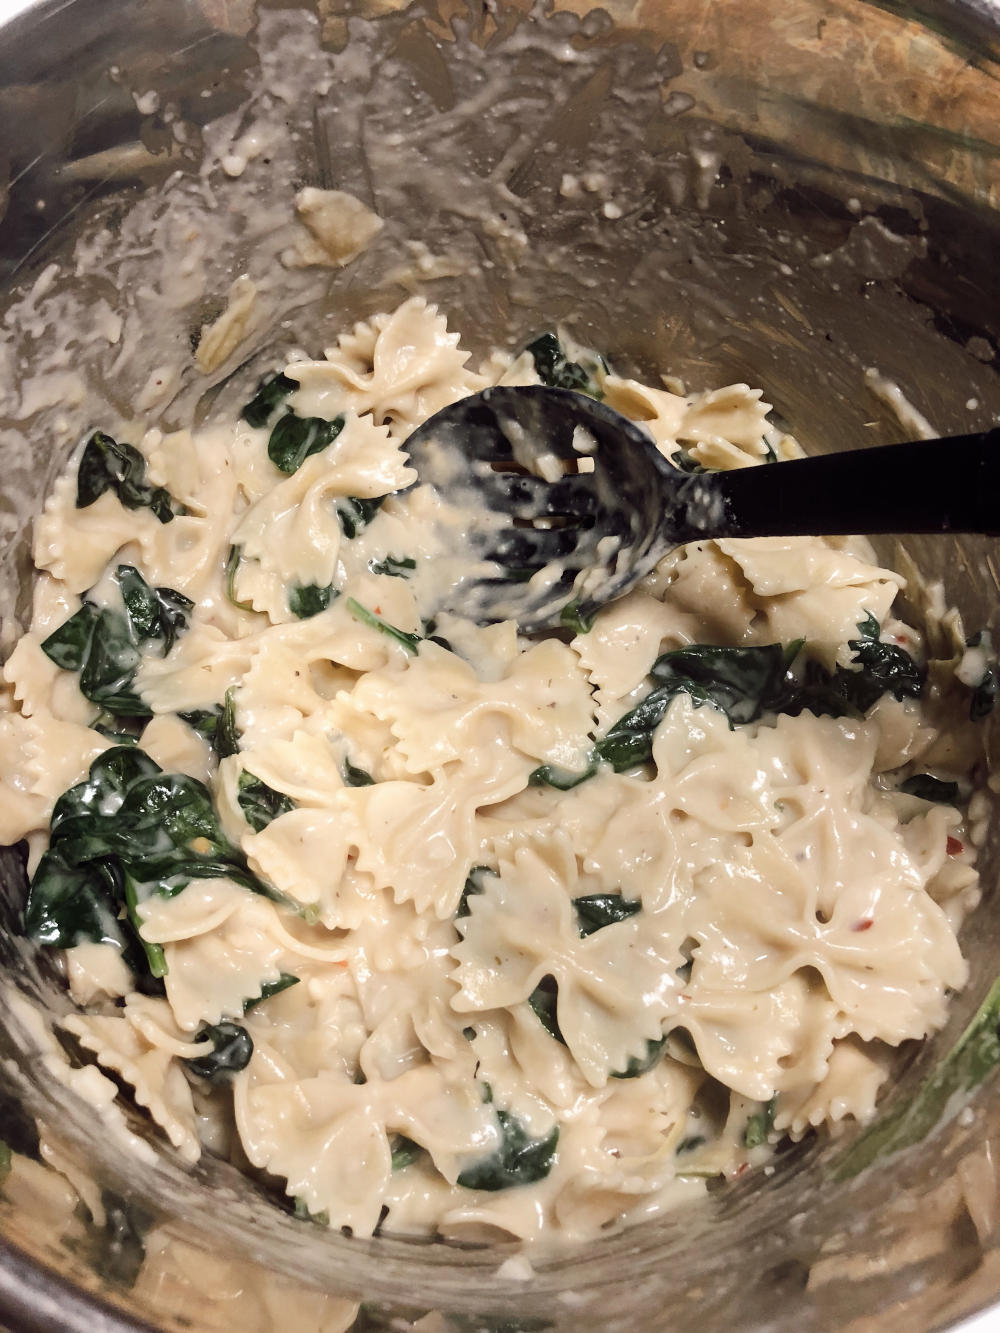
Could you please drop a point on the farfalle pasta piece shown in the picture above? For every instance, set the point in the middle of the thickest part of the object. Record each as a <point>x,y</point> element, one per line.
<point>76,545</point>
<point>615,987</point>
<point>304,854</point>
<point>157,1080</point>
<point>438,708</point>
<point>855,1072</point>
<point>402,368</point>
<point>291,537</point>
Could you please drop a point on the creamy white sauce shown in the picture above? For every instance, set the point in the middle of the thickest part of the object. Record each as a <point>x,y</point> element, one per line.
<point>789,921</point>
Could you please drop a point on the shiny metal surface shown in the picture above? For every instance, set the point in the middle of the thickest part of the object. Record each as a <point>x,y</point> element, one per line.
<point>804,190</point>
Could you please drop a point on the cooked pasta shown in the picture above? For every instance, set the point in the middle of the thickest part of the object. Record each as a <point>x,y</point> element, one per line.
<point>449,930</point>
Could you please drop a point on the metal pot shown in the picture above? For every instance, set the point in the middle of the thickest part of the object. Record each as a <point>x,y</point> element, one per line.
<point>790,194</point>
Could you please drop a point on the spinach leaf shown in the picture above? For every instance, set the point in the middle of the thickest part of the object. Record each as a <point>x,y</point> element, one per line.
<point>259,802</point>
<point>683,462</point>
<point>885,668</point>
<point>395,567</point>
<point>544,1000</point>
<point>551,775</point>
<point>304,1215</point>
<point>106,647</point>
<point>107,465</point>
<point>411,642</point>
<point>119,730</point>
<point>294,438</point>
<point>746,683</point>
<point>642,1064</point>
<point>232,1049</point>
<point>404,1152</point>
<point>571,619</point>
<point>309,599</point>
<point>270,988</point>
<point>971,1060</point>
<point>432,636</point>
<point>519,1160</point>
<point>232,568</point>
<point>743,683</point>
<point>473,886</point>
<point>217,725</point>
<point>929,788</point>
<point>154,615</point>
<point>271,393</point>
<point>68,645</point>
<point>555,369</point>
<point>597,910</point>
<point>760,1125</point>
<point>109,669</point>
<point>356,512</point>
<point>356,777</point>
<point>689,1144</point>
<point>156,959</point>
<point>125,833</point>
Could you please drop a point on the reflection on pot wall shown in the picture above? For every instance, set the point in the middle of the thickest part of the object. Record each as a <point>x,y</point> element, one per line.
<point>790,195</point>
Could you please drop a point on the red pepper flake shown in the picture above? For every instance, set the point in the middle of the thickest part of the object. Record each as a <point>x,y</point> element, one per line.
<point>378,610</point>
<point>865,923</point>
<point>954,847</point>
<point>743,1166</point>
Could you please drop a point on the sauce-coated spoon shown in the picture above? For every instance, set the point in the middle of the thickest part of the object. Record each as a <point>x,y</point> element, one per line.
<point>571,504</point>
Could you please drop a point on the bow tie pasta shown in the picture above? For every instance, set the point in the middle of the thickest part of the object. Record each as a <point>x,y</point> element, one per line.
<point>452,931</point>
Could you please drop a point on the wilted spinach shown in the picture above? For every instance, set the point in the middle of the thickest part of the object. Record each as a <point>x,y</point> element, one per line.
<point>544,1002</point>
<point>98,643</point>
<point>642,1064</point>
<point>155,615</point>
<point>217,725</point>
<point>127,832</point>
<point>271,393</point>
<point>554,368</point>
<point>106,465</point>
<point>519,1160</point>
<point>571,619</point>
<point>411,642</point>
<point>397,568</point>
<point>356,512</point>
<point>745,684</point>
<point>232,1047</point>
<point>404,1152</point>
<point>596,910</point>
<point>269,988</point>
<point>473,886</point>
<point>106,646</point>
<point>306,600</point>
<point>929,788</point>
<point>232,568</point>
<point>356,777</point>
<point>760,1125</point>
<point>294,438</point>
<point>259,802</point>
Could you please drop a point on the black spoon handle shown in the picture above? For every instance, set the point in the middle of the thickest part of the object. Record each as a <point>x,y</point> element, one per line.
<point>947,485</point>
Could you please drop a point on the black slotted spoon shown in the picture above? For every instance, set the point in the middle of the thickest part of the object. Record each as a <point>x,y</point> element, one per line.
<point>570,503</point>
